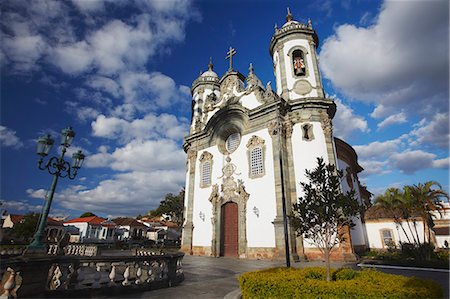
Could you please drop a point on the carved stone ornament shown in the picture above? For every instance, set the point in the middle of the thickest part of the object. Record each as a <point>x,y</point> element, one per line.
<point>327,126</point>
<point>288,128</point>
<point>302,87</point>
<point>191,155</point>
<point>255,141</point>
<point>214,197</point>
<point>305,115</point>
<point>210,102</point>
<point>206,156</point>
<point>273,127</point>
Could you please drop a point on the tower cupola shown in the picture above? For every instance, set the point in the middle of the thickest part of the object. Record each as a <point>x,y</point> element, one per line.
<point>293,50</point>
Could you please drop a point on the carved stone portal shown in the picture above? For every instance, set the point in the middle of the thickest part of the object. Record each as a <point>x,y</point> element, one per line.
<point>231,190</point>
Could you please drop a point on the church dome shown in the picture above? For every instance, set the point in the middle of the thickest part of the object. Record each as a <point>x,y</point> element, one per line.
<point>292,27</point>
<point>208,77</point>
<point>209,72</point>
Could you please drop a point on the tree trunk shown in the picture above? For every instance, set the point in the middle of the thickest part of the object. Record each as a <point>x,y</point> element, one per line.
<point>327,263</point>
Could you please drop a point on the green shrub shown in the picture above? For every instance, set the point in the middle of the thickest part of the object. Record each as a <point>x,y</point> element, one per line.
<point>347,283</point>
<point>345,274</point>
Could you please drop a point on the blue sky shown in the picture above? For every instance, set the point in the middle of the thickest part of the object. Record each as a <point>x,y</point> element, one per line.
<point>120,73</point>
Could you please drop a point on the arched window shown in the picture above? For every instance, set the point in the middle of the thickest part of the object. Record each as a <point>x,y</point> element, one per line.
<point>205,169</point>
<point>298,61</point>
<point>256,149</point>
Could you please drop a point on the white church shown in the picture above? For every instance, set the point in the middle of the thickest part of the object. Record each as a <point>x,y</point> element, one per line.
<point>247,143</point>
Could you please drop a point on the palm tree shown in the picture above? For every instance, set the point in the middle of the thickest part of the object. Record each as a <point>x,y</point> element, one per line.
<point>427,199</point>
<point>396,204</point>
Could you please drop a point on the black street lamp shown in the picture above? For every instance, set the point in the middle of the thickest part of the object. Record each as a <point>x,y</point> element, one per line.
<point>57,167</point>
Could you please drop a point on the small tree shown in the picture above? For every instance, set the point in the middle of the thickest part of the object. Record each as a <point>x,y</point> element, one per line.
<point>172,205</point>
<point>26,227</point>
<point>87,214</point>
<point>323,211</point>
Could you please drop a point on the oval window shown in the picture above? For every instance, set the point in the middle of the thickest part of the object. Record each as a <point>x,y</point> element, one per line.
<point>232,142</point>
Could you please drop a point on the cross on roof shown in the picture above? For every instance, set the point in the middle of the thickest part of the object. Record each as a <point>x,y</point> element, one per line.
<point>230,54</point>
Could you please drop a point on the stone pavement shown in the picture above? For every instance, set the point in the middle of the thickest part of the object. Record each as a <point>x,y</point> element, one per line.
<point>209,278</point>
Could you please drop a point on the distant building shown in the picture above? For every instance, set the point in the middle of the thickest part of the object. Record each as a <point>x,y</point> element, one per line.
<point>11,220</point>
<point>93,229</point>
<point>383,232</point>
<point>131,228</point>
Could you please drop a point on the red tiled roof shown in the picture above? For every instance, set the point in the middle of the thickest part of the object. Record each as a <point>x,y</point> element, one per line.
<point>125,221</point>
<point>442,231</point>
<point>90,220</point>
<point>16,218</point>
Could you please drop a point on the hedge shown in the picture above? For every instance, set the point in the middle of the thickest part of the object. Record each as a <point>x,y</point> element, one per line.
<point>346,283</point>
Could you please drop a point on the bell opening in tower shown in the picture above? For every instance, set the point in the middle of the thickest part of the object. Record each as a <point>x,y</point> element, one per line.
<point>299,63</point>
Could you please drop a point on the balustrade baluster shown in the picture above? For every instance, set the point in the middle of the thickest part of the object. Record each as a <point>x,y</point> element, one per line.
<point>126,275</point>
<point>138,275</point>
<point>112,275</point>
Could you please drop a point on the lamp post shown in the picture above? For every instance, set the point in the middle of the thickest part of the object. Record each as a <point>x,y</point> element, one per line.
<point>59,168</point>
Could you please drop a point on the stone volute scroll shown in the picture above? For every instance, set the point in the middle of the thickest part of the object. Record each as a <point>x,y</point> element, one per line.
<point>326,124</point>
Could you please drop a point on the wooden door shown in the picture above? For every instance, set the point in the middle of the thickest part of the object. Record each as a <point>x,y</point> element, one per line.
<point>229,235</point>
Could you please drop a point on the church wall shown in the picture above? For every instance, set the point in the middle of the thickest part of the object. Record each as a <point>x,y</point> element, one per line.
<point>250,101</point>
<point>202,234</point>
<point>261,190</point>
<point>357,233</point>
<point>277,70</point>
<point>260,230</point>
<point>291,79</point>
<point>305,155</point>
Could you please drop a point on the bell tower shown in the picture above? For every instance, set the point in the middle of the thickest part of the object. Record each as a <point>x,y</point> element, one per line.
<point>293,51</point>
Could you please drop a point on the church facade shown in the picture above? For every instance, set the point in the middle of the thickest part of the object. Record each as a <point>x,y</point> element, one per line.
<point>249,145</point>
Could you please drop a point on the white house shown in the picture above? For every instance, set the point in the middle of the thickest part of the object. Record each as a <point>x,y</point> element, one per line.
<point>93,229</point>
<point>383,232</point>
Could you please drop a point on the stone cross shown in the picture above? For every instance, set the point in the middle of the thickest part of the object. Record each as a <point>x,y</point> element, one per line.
<point>230,56</point>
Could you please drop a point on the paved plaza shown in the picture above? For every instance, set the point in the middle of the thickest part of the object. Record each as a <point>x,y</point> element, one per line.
<point>207,277</point>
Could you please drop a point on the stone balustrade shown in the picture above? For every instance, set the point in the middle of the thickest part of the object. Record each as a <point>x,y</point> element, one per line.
<point>60,276</point>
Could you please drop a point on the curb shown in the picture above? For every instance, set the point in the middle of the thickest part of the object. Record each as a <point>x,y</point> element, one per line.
<point>236,294</point>
<point>362,265</point>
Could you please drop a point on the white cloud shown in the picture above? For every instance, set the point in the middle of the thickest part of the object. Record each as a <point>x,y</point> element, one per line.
<point>20,206</point>
<point>106,48</point>
<point>8,138</point>
<point>411,161</point>
<point>40,193</point>
<point>441,163</point>
<point>150,127</point>
<point>377,149</point>
<point>386,64</point>
<point>346,121</point>
<point>432,132</point>
<point>73,59</point>
<point>398,118</point>
<point>374,167</point>
<point>138,191</point>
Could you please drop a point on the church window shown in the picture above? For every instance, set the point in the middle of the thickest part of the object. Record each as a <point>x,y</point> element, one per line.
<point>256,151</point>
<point>387,238</point>
<point>256,165</point>
<point>206,161</point>
<point>298,61</point>
<point>307,132</point>
<point>232,142</point>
